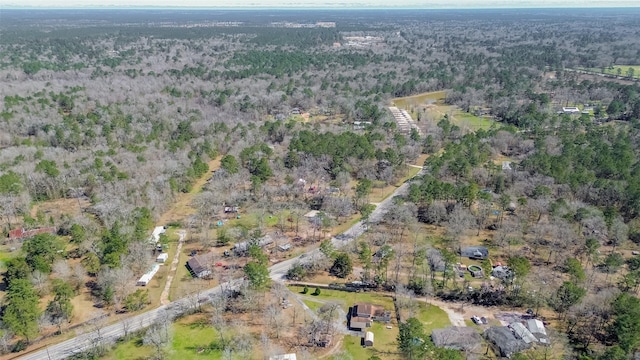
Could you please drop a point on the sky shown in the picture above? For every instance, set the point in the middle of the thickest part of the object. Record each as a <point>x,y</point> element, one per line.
<point>425,4</point>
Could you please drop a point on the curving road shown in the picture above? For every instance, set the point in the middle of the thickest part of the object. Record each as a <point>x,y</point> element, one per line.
<point>97,334</point>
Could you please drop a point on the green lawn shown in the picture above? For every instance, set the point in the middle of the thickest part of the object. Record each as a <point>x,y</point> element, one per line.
<point>346,299</point>
<point>471,121</point>
<point>420,99</point>
<point>384,344</point>
<point>190,341</point>
<point>614,70</point>
<point>432,317</point>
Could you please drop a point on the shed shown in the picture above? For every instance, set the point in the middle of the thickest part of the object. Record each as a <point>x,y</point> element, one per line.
<point>162,257</point>
<point>457,338</point>
<point>368,338</point>
<point>475,252</point>
<point>503,341</point>
<point>522,333</point>
<point>144,280</point>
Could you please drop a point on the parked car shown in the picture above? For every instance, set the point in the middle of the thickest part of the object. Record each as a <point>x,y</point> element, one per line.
<point>476,320</point>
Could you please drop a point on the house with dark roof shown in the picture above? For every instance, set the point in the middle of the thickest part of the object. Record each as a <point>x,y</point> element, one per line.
<point>362,315</point>
<point>503,342</point>
<point>457,338</point>
<point>200,265</point>
<point>475,252</point>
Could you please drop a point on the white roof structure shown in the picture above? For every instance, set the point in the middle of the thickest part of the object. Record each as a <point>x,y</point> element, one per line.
<point>537,329</point>
<point>571,109</point>
<point>283,357</point>
<point>311,214</point>
<point>155,235</point>
<point>162,257</point>
<point>144,280</point>
<point>522,332</point>
<point>368,338</point>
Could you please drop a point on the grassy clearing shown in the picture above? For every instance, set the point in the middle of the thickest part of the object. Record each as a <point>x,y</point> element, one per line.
<point>432,317</point>
<point>384,339</point>
<point>432,104</point>
<point>419,99</point>
<point>384,344</point>
<point>614,70</point>
<point>349,298</point>
<point>191,340</point>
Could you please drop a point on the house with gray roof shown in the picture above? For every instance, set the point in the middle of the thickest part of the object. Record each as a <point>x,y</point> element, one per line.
<point>503,342</point>
<point>475,252</point>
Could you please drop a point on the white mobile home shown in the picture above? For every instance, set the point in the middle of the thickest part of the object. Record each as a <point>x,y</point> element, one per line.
<point>144,280</point>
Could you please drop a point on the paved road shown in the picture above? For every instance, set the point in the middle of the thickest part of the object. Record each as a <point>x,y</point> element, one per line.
<point>96,334</point>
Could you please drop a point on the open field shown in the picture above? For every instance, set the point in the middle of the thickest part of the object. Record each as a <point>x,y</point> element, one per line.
<point>614,70</point>
<point>419,99</point>
<point>431,106</point>
<point>192,337</point>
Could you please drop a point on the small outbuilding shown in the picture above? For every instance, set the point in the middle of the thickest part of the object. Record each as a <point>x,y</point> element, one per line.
<point>457,338</point>
<point>503,342</point>
<point>162,258</point>
<point>368,339</point>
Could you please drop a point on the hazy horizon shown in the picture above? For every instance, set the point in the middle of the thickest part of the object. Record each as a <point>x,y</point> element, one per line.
<point>312,4</point>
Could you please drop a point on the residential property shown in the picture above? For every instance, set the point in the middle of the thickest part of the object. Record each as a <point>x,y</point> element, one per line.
<point>475,252</point>
<point>368,339</point>
<point>360,125</point>
<point>146,278</point>
<point>21,234</point>
<point>503,342</point>
<point>571,110</point>
<point>457,338</point>
<point>200,265</point>
<point>404,121</point>
<point>502,272</point>
<point>242,247</point>
<point>536,327</point>
<point>522,333</point>
<point>162,258</point>
<point>155,235</point>
<point>362,315</point>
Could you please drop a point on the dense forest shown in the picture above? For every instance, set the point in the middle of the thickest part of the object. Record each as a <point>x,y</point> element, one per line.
<point>122,112</point>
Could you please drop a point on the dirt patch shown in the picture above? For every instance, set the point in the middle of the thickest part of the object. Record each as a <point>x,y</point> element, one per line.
<point>57,208</point>
<point>182,205</point>
<point>459,312</point>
